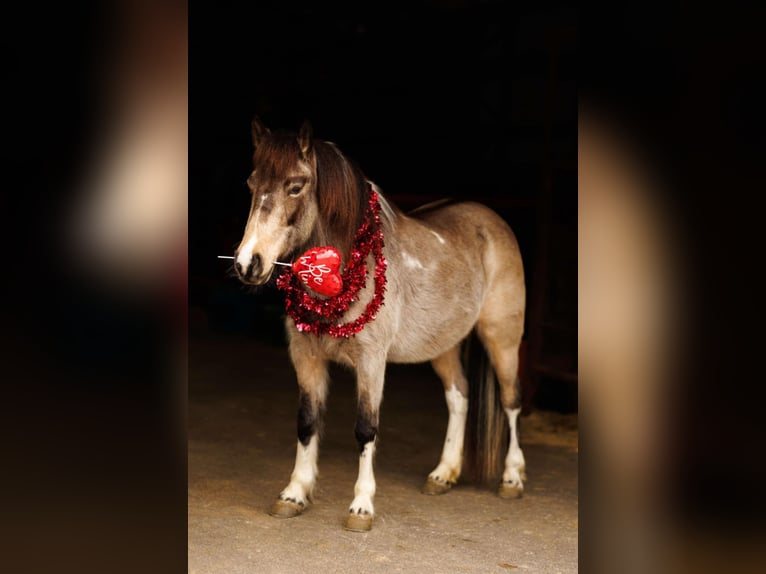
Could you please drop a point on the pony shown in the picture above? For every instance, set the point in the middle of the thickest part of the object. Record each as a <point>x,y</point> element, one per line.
<point>452,270</point>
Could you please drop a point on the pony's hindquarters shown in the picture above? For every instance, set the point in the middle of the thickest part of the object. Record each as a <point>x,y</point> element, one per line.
<point>490,442</point>
<point>502,340</point>
<point>494,389</point>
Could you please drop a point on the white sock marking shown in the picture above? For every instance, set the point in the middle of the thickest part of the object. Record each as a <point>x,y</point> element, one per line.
<point>452,454</point>
<point>305,472</point>
<point>514,462</point>
<point>364,490</point>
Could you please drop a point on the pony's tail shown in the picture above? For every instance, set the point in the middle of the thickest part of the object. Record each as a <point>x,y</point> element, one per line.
<point>486,434</point>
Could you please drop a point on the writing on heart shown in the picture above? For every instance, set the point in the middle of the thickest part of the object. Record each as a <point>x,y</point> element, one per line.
<point>319,270</point>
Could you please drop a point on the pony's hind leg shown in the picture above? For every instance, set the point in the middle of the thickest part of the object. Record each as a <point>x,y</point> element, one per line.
<point>501,336</point>
<point>312,383</point>
<point>370,373</point>
<point>450,371</point>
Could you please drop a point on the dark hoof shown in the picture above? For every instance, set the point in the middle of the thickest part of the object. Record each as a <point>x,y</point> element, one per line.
<point>432,487</point>
<point>358,522</point>
<point>508,490</point>
<point>286,509</point>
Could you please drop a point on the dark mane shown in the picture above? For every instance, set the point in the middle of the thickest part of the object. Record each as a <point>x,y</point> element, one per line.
<point>276,154</point>
<point>342,193</point>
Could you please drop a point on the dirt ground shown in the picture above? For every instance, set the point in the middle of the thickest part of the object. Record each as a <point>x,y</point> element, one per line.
<point>241,429</point>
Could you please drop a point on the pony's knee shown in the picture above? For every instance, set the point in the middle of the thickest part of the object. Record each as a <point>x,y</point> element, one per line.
<point>308,418</point>
<point>366,429</point>
<point>510,394</point>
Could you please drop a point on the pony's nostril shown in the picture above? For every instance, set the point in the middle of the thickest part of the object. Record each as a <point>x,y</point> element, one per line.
<point>257,265</point>
<point>238,267</point>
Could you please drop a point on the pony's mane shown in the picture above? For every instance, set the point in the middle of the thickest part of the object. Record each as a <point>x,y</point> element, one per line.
<point>343,193</point>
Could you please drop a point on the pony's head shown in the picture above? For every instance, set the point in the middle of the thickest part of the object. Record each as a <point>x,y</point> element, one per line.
<point>304,192</point>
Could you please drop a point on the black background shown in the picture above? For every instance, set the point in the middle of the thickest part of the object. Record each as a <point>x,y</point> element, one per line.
<point>432,99</point>
<point>469,100</point>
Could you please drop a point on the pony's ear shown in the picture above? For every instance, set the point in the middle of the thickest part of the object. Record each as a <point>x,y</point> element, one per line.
<point>258,130</point>
<point>304,138</point>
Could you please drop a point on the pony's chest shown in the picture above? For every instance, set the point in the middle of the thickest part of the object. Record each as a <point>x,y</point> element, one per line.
<point>339,350</point>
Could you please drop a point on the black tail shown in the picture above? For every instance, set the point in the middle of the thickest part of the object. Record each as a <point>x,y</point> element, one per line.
<point>486,434</point>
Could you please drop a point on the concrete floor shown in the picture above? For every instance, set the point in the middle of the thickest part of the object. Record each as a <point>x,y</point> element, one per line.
<point>241,428</point>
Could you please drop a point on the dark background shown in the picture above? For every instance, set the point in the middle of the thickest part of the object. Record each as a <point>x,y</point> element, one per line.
<point>684,84</point>
<point>470,100</point>
<point>465,85</point>
<point>462,99</point>
<point>92,429</point>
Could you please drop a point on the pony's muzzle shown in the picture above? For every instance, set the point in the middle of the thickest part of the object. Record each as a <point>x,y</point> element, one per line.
<point>252,272</point>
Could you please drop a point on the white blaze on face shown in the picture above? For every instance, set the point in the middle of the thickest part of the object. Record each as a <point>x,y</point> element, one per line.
<point>249,242</point>
<point>264,235</point>
<point>266,231</point>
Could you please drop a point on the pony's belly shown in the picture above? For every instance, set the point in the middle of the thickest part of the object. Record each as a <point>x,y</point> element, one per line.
<point>424,341</point>
<point>414,355</point>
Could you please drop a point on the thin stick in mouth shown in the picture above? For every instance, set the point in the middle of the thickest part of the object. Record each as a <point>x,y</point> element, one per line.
<point>275,262</point>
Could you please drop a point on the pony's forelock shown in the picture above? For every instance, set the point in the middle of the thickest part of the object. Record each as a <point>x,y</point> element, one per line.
<point>276,154</point>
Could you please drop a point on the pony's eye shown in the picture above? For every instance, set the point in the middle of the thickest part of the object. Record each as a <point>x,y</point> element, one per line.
<point>295,190</point>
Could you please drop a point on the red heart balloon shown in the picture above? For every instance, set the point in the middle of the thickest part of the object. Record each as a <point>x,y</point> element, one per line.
<point>318,269</point>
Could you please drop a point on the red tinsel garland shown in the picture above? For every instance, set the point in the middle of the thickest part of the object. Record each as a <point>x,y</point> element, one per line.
<point>312,315</point>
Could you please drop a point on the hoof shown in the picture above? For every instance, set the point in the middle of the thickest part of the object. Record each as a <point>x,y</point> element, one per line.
<point>435,487</point>
<point>286,509</point>
<point>358,522</point>
<point>508,490</point>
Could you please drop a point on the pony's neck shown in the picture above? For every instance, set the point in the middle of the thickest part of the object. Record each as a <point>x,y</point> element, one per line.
<point>343,194</point>
<point>325,235</point>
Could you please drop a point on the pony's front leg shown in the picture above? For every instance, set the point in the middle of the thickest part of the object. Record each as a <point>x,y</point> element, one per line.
<point>370,376</point>
<point>312,383</point>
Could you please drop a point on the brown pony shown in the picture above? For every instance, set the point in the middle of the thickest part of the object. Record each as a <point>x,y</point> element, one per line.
<point>451,268</point>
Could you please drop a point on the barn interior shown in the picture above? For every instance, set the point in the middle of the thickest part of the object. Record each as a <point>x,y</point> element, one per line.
<point>433,100</point>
